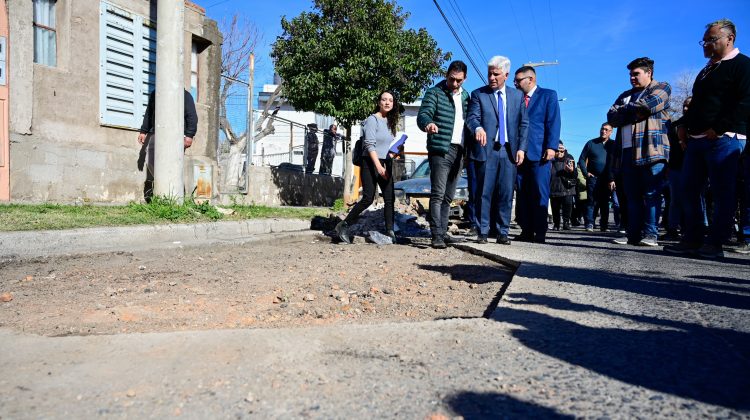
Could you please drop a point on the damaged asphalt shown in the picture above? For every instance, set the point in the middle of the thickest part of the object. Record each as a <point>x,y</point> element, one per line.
<point>586,328</point>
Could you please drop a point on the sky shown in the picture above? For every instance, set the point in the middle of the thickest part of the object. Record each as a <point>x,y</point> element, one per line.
<point>592,41</point>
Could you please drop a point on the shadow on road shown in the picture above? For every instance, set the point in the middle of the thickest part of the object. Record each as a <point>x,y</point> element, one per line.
<point>692,361</point>
<point>480,406</point>
<point>657,284</point>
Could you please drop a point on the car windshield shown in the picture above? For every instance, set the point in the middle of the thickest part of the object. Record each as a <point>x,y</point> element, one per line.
<point>422,171</point>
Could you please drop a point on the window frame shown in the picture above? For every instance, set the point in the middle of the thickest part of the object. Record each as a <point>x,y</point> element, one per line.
<point>52,29</point>
<point>194,49</point>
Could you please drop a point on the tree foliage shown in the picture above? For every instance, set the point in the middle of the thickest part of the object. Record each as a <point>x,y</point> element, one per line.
<point>335,59</point>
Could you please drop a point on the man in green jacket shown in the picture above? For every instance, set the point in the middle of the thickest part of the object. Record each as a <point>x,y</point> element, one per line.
<point>441,116</point>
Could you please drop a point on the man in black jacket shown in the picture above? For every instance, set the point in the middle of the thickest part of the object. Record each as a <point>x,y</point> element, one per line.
<point>148,141</point>
<point>593,163</point>
<point>715,132</point>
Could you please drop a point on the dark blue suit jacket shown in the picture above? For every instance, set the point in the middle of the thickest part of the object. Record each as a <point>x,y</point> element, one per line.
<point>483,113</point>
<point>544,123</point>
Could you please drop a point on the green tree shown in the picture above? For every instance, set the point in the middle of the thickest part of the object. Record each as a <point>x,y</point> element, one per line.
<point>335,59</point>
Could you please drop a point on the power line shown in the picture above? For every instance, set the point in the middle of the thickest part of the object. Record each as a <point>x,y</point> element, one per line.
<point>554,43</point>
<point>461,44</point>
<point>216,4</point>
<point>462,20</point>
<point>536,30</point>
<point>520,33</point>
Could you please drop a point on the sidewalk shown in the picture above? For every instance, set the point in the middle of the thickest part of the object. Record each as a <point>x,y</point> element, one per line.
<point>585,328</point>
<point>124,238</point>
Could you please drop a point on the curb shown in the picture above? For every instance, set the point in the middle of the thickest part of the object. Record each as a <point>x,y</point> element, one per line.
<point>124,238</point>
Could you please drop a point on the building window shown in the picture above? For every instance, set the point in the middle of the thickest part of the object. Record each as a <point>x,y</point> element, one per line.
<point>127,57</point>
<point>45,35</point>
<point>194,72</point>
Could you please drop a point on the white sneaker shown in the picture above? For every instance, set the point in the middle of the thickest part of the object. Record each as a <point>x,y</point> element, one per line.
<point>648,242</point>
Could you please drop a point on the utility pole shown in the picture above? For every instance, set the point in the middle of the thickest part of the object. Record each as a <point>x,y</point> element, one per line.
<point>170,102</point>
<point>541,63</point>
<point>250,145</point>
<point>545,63</point>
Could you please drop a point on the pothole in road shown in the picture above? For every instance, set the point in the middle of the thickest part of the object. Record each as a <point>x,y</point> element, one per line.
<point>291,282</point>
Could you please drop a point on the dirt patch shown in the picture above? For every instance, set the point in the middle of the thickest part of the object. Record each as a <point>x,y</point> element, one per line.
<point>286,283</point>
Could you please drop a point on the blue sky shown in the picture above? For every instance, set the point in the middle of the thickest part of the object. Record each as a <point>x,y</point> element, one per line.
<point>592,40</point>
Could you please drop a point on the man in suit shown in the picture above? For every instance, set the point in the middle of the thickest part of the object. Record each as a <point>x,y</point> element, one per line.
<point>543,138</point>
<point>497,119</point>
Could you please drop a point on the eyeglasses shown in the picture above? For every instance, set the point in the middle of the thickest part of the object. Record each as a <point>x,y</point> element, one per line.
<point>710,41</point>
<point>518,81</point>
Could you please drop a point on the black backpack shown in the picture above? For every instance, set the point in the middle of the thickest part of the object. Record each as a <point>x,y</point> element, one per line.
<point>357,152</point>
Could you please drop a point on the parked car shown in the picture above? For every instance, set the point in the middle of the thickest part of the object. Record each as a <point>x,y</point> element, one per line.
<point>416,189</point>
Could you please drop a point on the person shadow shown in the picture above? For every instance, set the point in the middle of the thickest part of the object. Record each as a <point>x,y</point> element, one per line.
<point>492,405</point>
<point>688,360</point>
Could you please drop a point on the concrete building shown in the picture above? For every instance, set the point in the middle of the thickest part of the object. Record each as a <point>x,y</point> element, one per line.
<point>79,75</point>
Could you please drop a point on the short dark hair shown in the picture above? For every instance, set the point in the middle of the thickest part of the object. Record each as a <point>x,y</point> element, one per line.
<point>607,124</point>
<point>642,63</point>
<point>524,69</point>
<point>457,66</point>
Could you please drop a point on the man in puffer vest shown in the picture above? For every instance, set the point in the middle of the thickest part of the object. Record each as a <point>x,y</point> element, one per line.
<point>441,116</point>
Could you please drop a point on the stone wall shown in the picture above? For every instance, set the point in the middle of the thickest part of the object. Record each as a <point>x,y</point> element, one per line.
<point>272,186</point>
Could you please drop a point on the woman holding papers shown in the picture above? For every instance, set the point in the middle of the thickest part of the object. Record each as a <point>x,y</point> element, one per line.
<point>377,164</point>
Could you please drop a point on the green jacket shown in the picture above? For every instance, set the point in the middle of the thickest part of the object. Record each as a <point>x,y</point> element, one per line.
<point>437,107</point>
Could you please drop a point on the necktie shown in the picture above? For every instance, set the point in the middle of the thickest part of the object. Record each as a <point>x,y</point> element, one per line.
<point>526,100</point>
<point>500,119</point>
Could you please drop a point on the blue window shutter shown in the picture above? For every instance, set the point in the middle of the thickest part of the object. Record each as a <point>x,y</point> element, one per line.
<point>127,57</point>
<point>147,62</point>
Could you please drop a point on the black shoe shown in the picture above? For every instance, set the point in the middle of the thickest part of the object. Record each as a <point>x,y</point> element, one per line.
<point>391,234</point>
<point>481,239</point>
<point>556,228</point>
<point>566,226</point>
<point>472,232</point>
<point>503,240</point>
<point>449,239</point>
<point>671,235</point>
<point>342,232</point>
<point>523,237</point>
<point>540,240</point>
<point>437,242</point>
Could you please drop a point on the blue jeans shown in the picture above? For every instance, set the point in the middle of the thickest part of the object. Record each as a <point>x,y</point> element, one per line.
<point>598,195</point>
<point>676,199</point>
<point>643,186</point>
<point>718,161</point>
<point>745,193</point>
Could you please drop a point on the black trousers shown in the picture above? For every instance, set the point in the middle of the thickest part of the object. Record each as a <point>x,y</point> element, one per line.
<point>565,204</point>
<point>370,181</point>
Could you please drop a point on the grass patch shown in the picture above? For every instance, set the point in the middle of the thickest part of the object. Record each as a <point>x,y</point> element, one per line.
<point>15,217</point>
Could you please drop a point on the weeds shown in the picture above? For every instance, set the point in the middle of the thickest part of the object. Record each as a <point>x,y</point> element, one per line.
<point>161,210</point>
